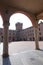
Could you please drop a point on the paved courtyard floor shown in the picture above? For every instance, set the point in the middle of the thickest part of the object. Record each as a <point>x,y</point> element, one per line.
<point>23,53</point>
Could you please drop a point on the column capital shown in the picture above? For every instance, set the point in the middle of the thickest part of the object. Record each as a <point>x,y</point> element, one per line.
<point>36,24</point>
<point>6,23</point>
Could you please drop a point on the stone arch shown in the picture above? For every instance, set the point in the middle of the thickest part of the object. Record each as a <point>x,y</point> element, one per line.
<point>40,16</point>
<point>29,15</point>
<point>34,22</point>
<point>6,24</point>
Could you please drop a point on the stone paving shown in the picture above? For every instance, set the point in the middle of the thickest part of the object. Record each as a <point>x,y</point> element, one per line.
<point>22,55</point>
<point>33,57</point>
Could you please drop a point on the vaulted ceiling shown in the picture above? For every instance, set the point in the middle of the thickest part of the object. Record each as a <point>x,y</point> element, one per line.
<point>33,6</point>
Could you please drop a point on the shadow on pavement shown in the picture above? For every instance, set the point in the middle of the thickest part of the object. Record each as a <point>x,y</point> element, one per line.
<point>6,61</point>
<point>41,49</point>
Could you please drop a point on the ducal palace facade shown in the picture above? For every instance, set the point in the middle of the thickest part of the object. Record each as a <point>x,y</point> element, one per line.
<point>22,34</point>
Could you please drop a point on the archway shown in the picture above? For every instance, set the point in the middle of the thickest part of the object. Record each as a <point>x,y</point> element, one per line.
<point>6,31</point>
<point>18,21</point>
<point>21,18</point>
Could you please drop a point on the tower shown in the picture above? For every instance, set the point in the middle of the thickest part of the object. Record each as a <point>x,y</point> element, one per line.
<point>19,26</point>
<point>18,29</point>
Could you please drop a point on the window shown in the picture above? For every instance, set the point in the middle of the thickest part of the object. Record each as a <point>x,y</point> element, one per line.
<point>9,38</point>
<point>1,38</point>
<point>40,38</point>
<point>39,29</point>
<point>39,33</point>
<point>9,33</point>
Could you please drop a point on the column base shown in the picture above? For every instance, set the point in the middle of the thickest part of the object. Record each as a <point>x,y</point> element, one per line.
<point>37,48</point>
<point>5,55</point>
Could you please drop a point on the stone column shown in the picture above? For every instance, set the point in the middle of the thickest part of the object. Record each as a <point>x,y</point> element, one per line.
<point>36,34</point>
<point>5,39</point>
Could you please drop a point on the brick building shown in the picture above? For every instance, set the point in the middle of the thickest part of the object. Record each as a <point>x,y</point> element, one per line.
<point>22,34</point>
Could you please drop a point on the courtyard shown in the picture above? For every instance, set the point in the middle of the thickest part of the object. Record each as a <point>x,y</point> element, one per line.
<point>22,53</point>
<point>21,46</point>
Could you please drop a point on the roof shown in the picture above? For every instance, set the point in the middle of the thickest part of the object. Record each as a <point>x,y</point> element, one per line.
<point>33,6</point>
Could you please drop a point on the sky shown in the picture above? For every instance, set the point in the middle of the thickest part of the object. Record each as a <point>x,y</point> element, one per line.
<point>17,17</point>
